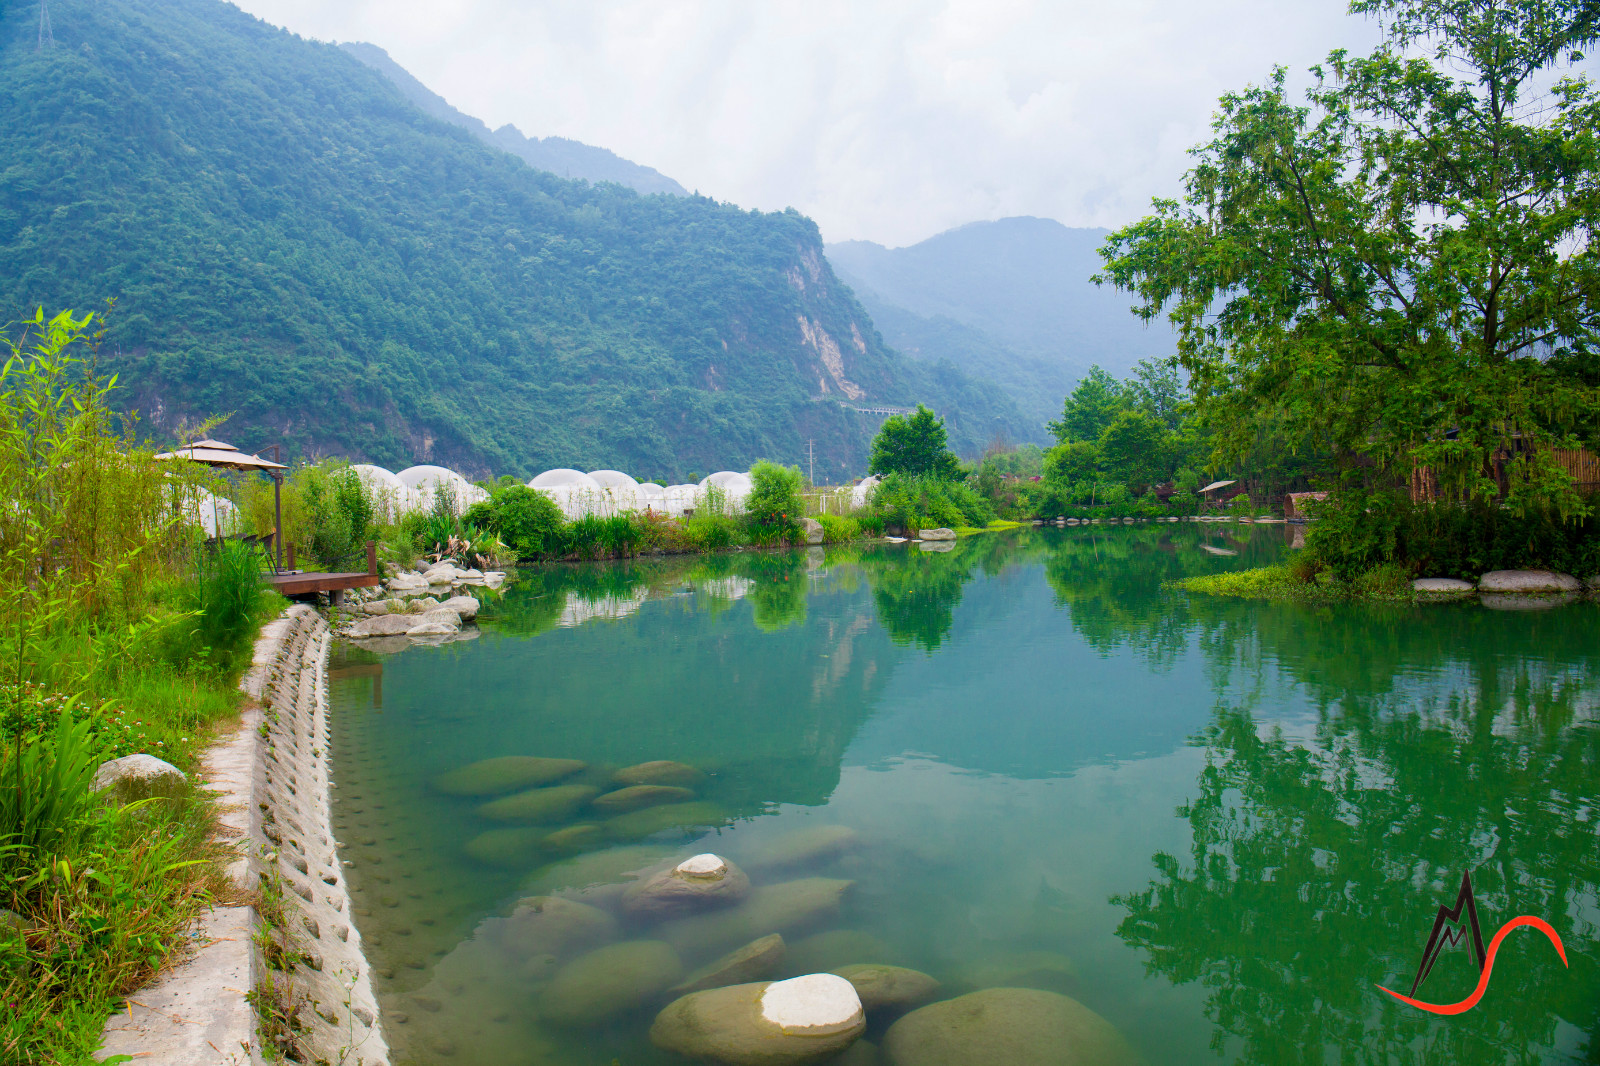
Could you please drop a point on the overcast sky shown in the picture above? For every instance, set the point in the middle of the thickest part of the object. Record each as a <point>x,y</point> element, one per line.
<point>888,120</point>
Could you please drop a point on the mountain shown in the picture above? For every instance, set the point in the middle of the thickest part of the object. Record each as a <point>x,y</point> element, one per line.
<point>1009,300</point>
<point>558,155</point>
<point>293,243</point>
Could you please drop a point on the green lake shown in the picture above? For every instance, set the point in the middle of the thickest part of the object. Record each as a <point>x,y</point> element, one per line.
<point>1219,824</point>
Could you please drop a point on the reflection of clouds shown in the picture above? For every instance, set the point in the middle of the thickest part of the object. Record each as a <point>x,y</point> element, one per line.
<point>726,588</point>
<point>610,607</point>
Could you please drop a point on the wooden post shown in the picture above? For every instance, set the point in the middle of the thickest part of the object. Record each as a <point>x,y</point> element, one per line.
<point>372,559</point>
<point>277,517</point>
<point>291,555</point>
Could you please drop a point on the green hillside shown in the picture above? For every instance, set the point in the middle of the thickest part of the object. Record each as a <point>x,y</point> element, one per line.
<point>290,240</point>
<point>1010,301</point>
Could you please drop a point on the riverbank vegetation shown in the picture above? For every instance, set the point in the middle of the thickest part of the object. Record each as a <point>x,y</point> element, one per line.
<point>121,634</point>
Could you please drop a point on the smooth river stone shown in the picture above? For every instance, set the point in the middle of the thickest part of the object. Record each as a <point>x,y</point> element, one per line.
<point>1015,1026</point>
<point>697,883</point>
<point>785,1023</point>
<point>1048,970</point>
<point>661,772</point>
<point>613,866</point>
<point>637,797</point>
<point>506,848</point>
<point>825,952</point>
<point>555,804</point>
<point>493,777</point>
<point>574,838</point>
<point>1442,587</point>
<point>550,925</point>
<point>610,981</point>
<point>891,987</point>
<point>780,908</point>
<point>756,960</point>
<point>804,847</point>
<point>1526,581</point>
<point>652,820</point>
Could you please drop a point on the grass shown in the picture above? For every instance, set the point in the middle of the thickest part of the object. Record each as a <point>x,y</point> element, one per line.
<point>1296,581</point>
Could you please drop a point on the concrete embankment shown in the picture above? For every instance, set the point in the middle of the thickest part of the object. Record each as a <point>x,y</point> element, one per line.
<point>287,967</point>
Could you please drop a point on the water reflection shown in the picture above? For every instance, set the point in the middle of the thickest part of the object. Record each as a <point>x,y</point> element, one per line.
<point>1007,728</point>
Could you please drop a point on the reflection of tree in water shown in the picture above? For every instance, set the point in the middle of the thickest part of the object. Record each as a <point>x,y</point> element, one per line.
<point>1113,583</point>
<point>1316,866</point>
<point>917,591</point>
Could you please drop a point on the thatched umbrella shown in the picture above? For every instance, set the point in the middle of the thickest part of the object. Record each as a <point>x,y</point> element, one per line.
<point>216,453</point>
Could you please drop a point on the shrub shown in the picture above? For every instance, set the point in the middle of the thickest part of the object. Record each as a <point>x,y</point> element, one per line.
<point>528,521</point>
<point>837,529</point>
<point>929,502</point>
<point>709,531</point>
<point>774,506</point>
<point>226,596</point>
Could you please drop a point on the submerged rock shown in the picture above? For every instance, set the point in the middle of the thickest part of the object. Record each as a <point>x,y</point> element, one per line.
<point>508,848</point>
<point>781,1024</point>
<point>804,847</point>
<point>550,925</point>
<point>613,866</point>
<point>1048,970</point>
<point>1015,1026</point>
<point>781,908</point>
<point>609,981</point>
<point>695,884</point>
<point>554,804</point>
<point>889,987</point>
<point>637,797</point>
<point>756,960</point>
<point>136,777</point>
<point>493,777</point>
<point>652,820</point>
<point>1526,581</point>
<point>826,952</point>
<point>661,772</point>
<point>574,837</point>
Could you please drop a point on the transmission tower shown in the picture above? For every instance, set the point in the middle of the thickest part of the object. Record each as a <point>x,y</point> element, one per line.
<point>811,460</point>
<point>46,36</point>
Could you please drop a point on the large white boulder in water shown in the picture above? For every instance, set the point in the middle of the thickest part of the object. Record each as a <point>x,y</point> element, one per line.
<point>695,884</point>
<point>784,1023</point>
<point>1525,581</point>
<point>1015,1026</point>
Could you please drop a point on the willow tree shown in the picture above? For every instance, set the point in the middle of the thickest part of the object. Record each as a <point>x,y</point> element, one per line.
<point>1403,266</point>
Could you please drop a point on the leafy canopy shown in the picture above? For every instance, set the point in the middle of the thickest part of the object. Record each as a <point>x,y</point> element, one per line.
<point>913,444</point>
<point>1089,407</point>
<point>1404,267</point>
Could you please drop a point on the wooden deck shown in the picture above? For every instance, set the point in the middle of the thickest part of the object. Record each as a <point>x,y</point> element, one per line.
<point>305,584</point>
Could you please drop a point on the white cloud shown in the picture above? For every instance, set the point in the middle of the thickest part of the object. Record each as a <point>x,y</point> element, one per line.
<point>888,120</point>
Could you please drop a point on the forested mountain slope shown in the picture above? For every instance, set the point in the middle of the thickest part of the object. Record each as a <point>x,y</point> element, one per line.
<point>290,240</point>
<point>1009,300</point>
<point>558,155</point>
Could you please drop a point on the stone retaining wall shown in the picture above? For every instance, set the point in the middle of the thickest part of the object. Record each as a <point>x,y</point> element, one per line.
<point>272,779</point>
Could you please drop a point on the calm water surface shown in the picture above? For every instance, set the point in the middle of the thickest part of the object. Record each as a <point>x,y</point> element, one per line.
<point>1219,824</point>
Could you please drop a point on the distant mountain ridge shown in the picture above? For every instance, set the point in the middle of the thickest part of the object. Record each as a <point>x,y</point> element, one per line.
<point>566,158</point>
<point>293,243</point>
<point>1009,300</point>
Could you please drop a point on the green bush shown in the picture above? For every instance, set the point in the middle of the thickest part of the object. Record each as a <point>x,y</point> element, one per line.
<point>226,596</point>
<point>774,507</point>
<point>1356,531</point>
<point>927,502</point>
<point>837,529</point>
<point>710,531</point>
<point>528,521</point>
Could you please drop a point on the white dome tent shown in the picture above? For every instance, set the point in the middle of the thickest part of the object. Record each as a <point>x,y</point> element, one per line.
<point>620,493</point>
<point>676,499</point>
<point>575,492</point>
<point>388,493</point>
<point>424,480</point>
<point>735,488</point>
<point>862,493</point>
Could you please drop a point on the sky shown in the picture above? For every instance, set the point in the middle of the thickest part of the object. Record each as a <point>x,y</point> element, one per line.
<point>884,120</point>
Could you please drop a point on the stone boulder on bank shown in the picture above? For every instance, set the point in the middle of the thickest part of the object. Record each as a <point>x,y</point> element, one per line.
<point>136,777</point>
<point>811,531</point>
<point>1528,581</point>
<point>942,533</point>
<point>382,625</point>
<point>464,606</point>
<point>1015,1026</point>
<point>785,1023</point>
<point>1442,587</point>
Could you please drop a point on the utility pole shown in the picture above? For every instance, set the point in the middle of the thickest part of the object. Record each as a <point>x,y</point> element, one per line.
<point>46,36</point>
<point>811,461</point>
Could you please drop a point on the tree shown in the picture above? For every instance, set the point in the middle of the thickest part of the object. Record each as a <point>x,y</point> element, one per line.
<point>1404,268</point>
<point>1158,390</point>
<point>774,499</point>
<point>1133,450</point>
<point>1090,407</point>
<point>913,444</point>
<point>1067,464</point>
